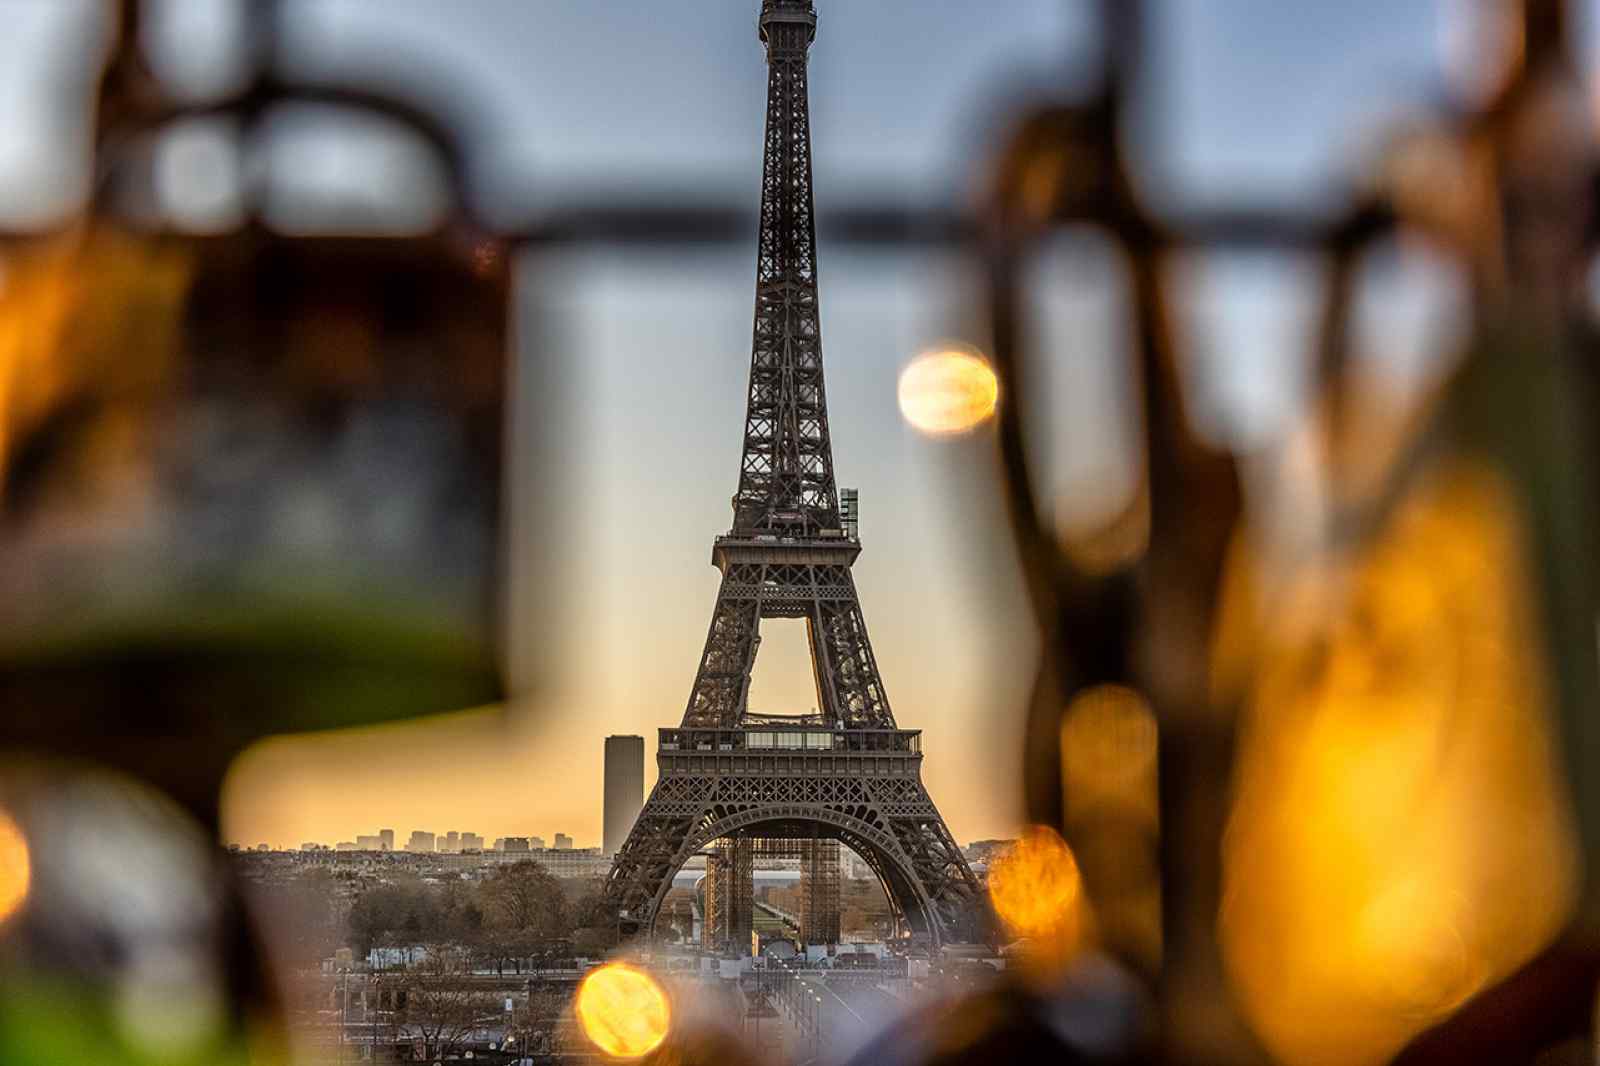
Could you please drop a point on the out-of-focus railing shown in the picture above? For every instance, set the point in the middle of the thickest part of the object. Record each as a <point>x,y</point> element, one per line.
<point>1265,776</point>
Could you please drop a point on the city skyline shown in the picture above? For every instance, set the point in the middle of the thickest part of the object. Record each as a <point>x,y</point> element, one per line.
<point>486,840</point>
<point>489,842</point>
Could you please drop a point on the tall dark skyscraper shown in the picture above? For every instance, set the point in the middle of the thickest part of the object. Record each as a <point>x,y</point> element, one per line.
<point>624,788</point>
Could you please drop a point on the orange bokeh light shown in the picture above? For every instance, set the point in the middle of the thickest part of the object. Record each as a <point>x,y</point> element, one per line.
<point>1108,746</point>
<point>623,1011</point>
<point>948,391</point>
<point>16,871</point>
<point>1036,888</point>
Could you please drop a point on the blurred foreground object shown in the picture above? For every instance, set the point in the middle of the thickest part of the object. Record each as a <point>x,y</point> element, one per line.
<point>1036,890</point>
<point>1375,686</point>
<point>1400,837</point>
<point>16,867</point>
<point>249,475</point>
<point>947,391</point>
<point>118,939</point>
<point>249,484</point>
<point>623,1010</point>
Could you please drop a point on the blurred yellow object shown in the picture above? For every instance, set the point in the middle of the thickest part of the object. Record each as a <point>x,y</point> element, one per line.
<point>623,1010</point>
<point>1399,837</point>
<point>86,314</point>
<point>1109,798</point>
<point>1036,887</point>
<point>948,391</point>
<point>16,869</point>
<point>1108,750</point>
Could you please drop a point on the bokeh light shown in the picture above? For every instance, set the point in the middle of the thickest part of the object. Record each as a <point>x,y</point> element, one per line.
<point>623,1010</point>
<point>1108,747</point>
<point>1036,887</point>
<point>1112,814</point>
<point>948,391</point>
<point>16,869</point>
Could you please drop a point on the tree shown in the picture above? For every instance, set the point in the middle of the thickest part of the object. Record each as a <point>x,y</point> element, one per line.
<point>403,914</point>
<point>595,922</point>
<point>442,1008</point>
<point>525,911</point>
<point>373,918</point>
<point>525,898</point>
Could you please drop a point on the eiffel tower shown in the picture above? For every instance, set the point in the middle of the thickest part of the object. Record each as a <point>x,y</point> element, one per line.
<point>845,772</point>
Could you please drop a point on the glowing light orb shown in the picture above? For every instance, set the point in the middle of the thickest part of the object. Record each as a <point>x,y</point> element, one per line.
<point>623,1010</point>
<point>1036,887</point>
<point>946,392</point>
<point>16,871</point>
<point>1108,741</point>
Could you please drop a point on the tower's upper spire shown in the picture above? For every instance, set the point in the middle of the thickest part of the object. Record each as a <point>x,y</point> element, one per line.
<point>786,484</point>
<point>799,11</point>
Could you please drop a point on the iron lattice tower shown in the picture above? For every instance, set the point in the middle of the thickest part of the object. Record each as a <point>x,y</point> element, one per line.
<point>846,772</point>
<point>729,892</point>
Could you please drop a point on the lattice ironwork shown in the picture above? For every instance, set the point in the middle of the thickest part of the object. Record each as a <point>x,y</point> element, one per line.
<point>850,694</point>
<point>889,821</point>
<point>788,555</point>
<point>728,898</point>
<point>819,891</point>
<point>730,888</point>
<point>786,477</point>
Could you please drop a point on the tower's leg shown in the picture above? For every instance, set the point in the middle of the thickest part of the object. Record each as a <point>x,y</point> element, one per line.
<point>819,891</point>
<point>729,906</point>
<point>721,686</point>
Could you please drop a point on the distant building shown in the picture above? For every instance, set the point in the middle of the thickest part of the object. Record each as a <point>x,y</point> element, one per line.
<point>515,844</point>
<point>369,843</point>
<point>452,842</point>
<point>386,839</point>
<point>263,847</point>
<point>345,845</point>
<point>536,843</point>
<point>421,841</point>
<point>624,789</point>
<point>387,958</point>
<point>471,842</point>
<point>985,850</point>
<point>563,842</point>
<point>312,847</point>
<point>573,862</point>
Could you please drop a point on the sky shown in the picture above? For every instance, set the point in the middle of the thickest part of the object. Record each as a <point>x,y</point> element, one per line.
<point>1253,100</point>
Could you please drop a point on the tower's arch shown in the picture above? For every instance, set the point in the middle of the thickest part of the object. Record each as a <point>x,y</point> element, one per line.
<point>896,873</point>
<point>862,788</point>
